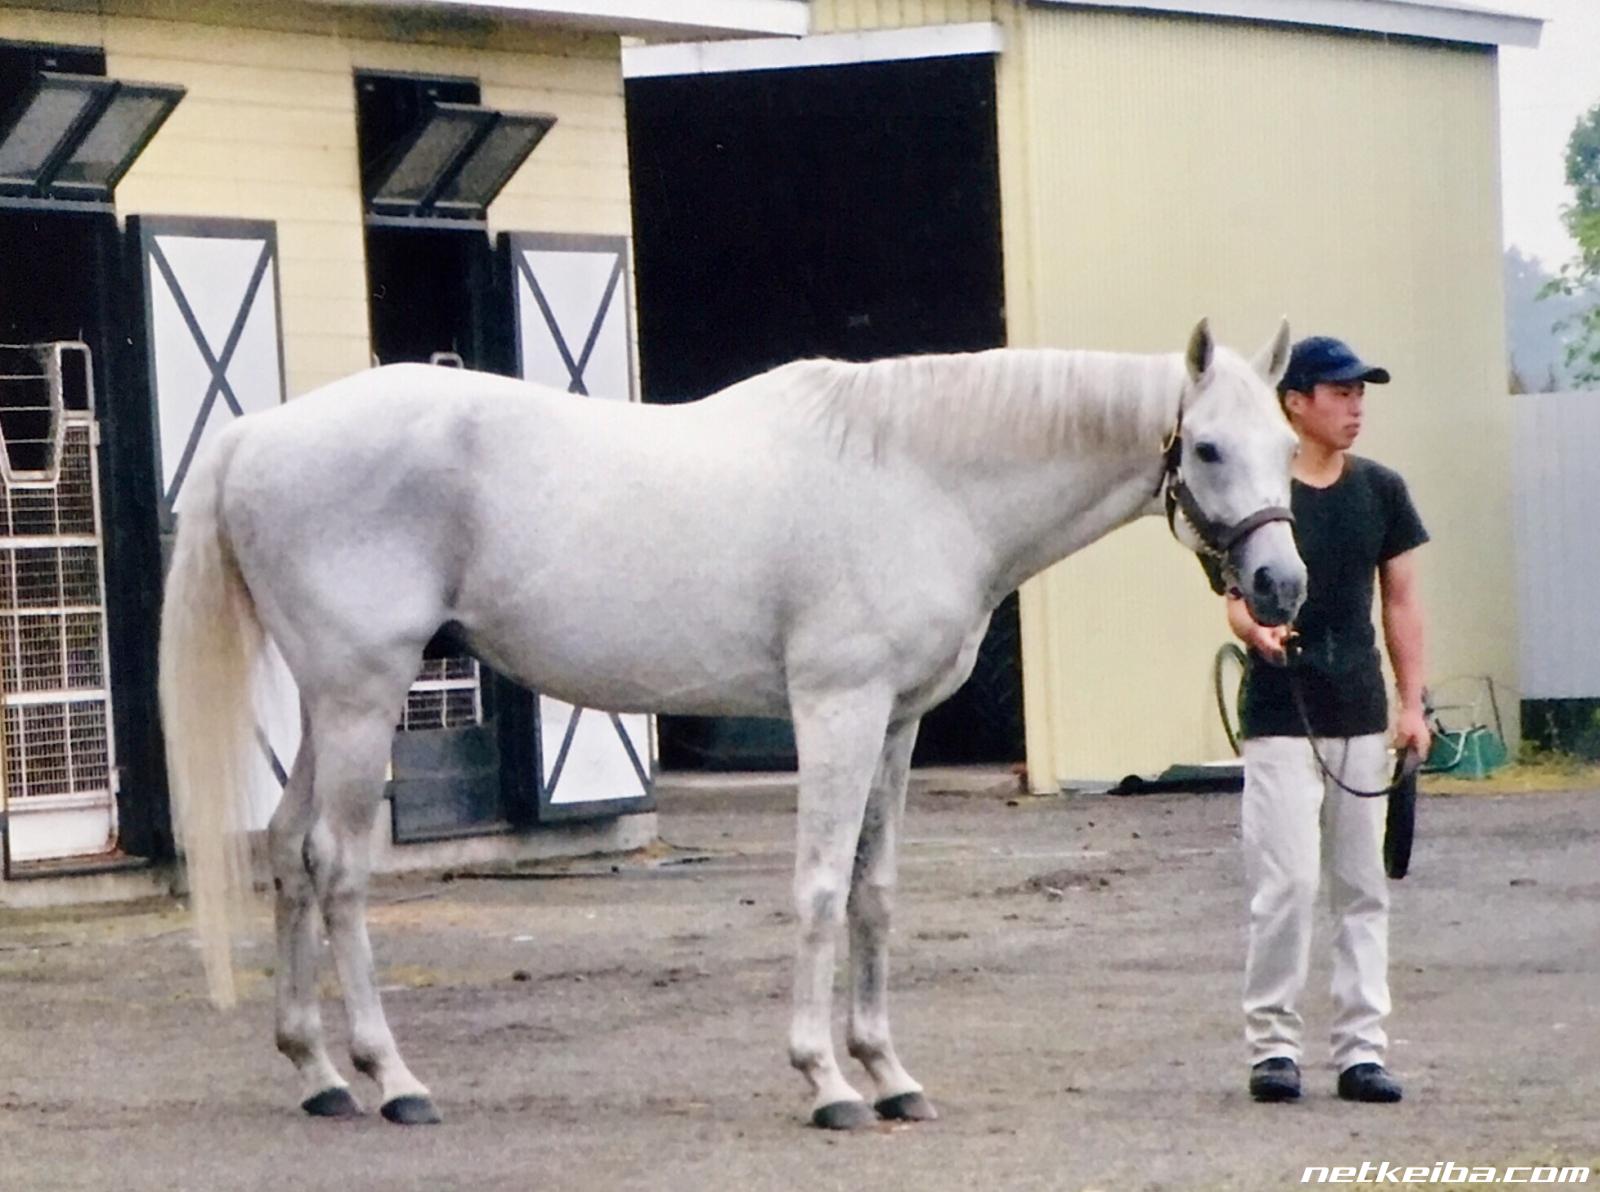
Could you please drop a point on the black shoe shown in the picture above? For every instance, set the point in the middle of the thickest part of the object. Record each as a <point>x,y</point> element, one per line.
<point>1277,1079</point>
<point>1368,1082</point>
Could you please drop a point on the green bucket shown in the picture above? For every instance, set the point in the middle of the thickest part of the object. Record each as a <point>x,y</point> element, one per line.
<point>1471,753</point>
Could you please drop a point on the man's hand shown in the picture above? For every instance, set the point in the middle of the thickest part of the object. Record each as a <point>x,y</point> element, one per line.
<point>1268,641</point>
<point>1411,730</point>
<point>1271,642</point>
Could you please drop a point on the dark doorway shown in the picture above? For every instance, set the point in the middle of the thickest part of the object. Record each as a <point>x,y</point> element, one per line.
<point>428,289</point>
<point>460,768</point>
<point>430,281</point>
<point>848,211</point>
<point>68,133</point>
<point>429,299</point>
<point>67,280</point>
<point>462,762</point>
<point>56,264</point>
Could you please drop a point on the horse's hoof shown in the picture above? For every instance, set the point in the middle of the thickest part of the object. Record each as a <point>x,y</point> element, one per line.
<point>336,1102</point>
<point>411,1111</point>
<point>907,1107</point>
<point>844,1115</point>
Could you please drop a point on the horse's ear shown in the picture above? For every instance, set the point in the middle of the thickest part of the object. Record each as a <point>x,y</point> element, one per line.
<point>1200,353</point>
<point>1273,360</point>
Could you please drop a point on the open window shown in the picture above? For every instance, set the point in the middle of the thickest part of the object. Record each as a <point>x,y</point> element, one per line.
<point>430,150</point>
<point>69,138</point>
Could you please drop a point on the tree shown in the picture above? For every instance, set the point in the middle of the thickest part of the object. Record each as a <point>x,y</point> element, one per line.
<point>1581,277</point>
<point>1535,316</point>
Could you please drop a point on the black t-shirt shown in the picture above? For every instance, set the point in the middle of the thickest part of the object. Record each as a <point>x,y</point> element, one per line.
<point>1343,532</point>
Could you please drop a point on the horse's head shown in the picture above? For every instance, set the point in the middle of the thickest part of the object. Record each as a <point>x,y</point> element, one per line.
<point>1227,474</point>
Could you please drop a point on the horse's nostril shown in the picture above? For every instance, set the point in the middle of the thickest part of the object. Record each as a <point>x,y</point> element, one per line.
<point>1262,582</point>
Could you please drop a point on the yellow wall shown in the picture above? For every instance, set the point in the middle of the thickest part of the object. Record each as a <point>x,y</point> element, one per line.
<point>267,131</point>
<point>841,16</point>
<point>1159,169</point>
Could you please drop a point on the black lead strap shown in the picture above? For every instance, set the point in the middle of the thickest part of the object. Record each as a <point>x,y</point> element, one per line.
<point>1400,818</point>
<point>1406,766</point>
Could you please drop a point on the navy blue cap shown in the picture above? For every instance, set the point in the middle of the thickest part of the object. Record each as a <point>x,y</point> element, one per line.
<point>1323,359</point>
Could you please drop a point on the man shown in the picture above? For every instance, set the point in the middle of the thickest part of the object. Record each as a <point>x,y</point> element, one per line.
<point>1354,521</point>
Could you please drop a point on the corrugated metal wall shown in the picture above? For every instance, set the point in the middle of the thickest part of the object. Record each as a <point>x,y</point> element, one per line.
<point>1159,169</point>
<point>267,131</point>
<point>1558,544</point>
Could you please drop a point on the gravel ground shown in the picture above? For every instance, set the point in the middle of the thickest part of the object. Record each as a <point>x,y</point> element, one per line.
<point>1066,986</point>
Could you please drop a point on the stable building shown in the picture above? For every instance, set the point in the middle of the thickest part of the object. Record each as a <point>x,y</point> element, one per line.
<point>208,208</point>
<point>948,175</point>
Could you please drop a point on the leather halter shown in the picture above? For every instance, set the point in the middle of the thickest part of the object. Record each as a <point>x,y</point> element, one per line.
<point>1216,538</point>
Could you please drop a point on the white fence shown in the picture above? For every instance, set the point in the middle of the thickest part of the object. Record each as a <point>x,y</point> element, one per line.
<point>1557,484</point>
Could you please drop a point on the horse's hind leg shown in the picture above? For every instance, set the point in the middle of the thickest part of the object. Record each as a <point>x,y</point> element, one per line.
<point>323,1091</point>
<point>871,905</point>
<point>352,750</point>
<point>838,738</point>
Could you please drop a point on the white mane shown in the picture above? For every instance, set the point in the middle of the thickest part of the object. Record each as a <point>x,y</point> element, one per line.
<point>1005,403</point>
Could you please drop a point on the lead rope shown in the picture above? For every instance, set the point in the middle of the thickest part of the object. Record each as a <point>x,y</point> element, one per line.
<point>1405,767</point>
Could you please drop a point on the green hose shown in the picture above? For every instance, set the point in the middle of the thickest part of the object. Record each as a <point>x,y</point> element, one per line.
<point>1229,653</point>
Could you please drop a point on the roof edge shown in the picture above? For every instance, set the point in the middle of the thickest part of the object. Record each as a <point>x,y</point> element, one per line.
<point>644,18</point>
<point>1472,24</point>
<point>820,49</point>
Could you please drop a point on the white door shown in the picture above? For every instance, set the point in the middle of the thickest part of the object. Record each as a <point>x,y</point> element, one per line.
<point>572,332</point>
<point>215,353</point>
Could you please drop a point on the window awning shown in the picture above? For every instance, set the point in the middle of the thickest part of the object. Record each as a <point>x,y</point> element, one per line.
<point>73,137</point>
<point>454,162</point>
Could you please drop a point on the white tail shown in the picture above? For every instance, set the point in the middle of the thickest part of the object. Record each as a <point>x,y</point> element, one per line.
<point>210,640</point>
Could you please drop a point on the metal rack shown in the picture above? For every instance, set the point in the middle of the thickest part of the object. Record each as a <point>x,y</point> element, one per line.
<point>55,690</point>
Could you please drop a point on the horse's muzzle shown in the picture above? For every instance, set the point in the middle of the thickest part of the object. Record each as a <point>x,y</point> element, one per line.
<point>1274,597</point>
<point>1267,571</point>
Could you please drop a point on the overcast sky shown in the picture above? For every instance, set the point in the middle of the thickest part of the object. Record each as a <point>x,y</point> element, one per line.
<point>1542,94</point>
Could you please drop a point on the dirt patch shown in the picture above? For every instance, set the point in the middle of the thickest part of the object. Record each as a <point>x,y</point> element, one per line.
<point>1055,883</point>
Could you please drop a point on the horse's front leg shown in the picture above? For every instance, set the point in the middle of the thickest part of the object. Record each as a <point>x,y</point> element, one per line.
<point>838,737</point>
<point>323,1091</point>
<point>351,753</point>
<point>871,906</point>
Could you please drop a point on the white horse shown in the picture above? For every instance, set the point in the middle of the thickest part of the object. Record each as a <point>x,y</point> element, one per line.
<point>825,541</point>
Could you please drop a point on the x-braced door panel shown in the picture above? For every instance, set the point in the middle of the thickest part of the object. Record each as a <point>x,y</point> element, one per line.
<point>573,332</point>
<point>215,350</point>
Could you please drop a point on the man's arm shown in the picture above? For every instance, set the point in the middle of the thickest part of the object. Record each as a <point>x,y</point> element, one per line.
<point>1263,639</point>
<point>1403,634</point>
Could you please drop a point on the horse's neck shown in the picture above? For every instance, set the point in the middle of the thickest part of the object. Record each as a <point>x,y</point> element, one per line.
<point>1101,472</point>
<point>1038,514</point>
<point>1044,450</point>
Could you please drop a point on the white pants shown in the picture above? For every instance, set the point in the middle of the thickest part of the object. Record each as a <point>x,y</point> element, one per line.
<point>1298,826</point>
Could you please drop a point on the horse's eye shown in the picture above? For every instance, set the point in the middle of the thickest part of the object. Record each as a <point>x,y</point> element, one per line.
<point>1207,452</point>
